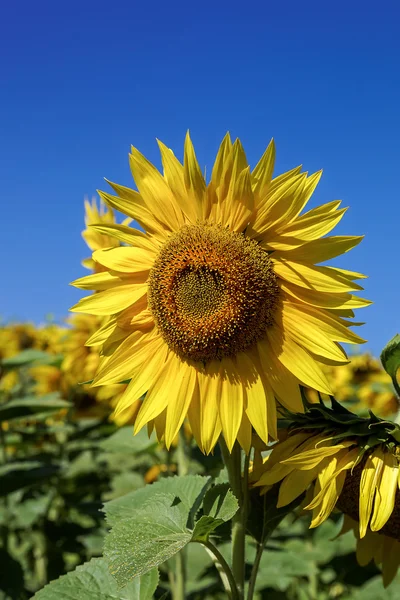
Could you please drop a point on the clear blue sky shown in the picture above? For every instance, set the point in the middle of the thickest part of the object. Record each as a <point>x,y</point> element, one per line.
<point>81,81</point>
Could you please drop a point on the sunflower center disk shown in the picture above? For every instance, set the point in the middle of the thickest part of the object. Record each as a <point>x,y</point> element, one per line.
<point>212,292</point>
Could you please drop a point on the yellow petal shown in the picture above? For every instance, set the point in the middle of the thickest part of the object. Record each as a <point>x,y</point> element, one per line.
<point>154,191</point>
<point>369,480</point>
<point>111,301</point>
<point>322,249</point>
<point>331,496</point>
<point>323,279</point>
<point>125,259</point>
<point>174,175</point>
<point>298,361</point>
<point>131,354</point>
<point>326,300</point>
<point>262,173</point>
<point>285,203</point>
<point>295,484</point>
<point>317,322</point>
<point>386,492</point>
<point>180,398</point>
<point>203,411</point>
<point>284,384</point>
<point>159,393</point>
<point>244,434</point>
<point>311,337</point>
<point>128,235</point>
<point>131,203</point>
<point>256,409</point>
<point>313,225</point>
<point>194,180</point>
<point>144,376</point>
<point>98,281</point>
<point>230,402</point>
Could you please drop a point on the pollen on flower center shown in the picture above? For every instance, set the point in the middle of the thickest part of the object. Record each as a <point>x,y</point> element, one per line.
<point>212,292</point>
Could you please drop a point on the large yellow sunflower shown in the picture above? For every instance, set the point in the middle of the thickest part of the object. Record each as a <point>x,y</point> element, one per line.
<point>345,462</point>
<point>219,308</point>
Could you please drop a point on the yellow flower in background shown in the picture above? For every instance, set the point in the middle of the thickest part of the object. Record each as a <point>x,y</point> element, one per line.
<point>219,308</point>
<point>95,238</point>
<point>345,462</point>
<point>362,385</point>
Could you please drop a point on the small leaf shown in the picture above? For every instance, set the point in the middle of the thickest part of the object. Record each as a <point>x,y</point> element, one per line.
<point>15,476</point>
<point>219,505</point>
<point>123,440</point>
<point>93,581</point>
<point>390,358</point>
<point>148,538</point>
<point>32,405</point>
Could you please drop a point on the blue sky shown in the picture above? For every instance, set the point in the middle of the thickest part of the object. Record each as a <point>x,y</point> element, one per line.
<point>81,81</point>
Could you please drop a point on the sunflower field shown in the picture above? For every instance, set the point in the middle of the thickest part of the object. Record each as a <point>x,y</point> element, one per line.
<point>195,429</point>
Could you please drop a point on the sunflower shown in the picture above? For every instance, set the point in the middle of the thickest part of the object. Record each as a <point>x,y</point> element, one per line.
<point>345,462</point>
<point>219,309</point>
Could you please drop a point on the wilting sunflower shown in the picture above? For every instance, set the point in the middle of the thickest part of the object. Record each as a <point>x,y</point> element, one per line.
<point>345,462</point>
<point>219,308</point>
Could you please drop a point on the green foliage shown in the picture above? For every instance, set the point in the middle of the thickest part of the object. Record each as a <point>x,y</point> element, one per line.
<point>93,581</point>
<point>390,358</point>
<point>151,525</point>
<point>77,520</point>
<point>24,408</point>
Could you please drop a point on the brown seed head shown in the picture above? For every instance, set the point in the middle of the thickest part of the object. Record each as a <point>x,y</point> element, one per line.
<point>212,292</point>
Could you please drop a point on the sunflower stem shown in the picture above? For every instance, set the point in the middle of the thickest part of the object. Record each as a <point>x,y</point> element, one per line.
<point>223,569</point>
<point>180,576</point>
<point>233,463</point>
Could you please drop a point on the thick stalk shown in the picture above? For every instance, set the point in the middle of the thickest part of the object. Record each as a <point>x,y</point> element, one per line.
<point>233,461</point>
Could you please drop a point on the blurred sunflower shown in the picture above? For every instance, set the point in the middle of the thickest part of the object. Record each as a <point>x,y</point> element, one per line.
<point>362,385</point>
<point>219,308</point>
<point>345,462</point>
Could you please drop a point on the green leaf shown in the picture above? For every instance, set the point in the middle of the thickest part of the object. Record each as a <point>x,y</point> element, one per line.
<point>149,537</point>
<point>31,405</point>
<point>123,440</point>
<point>277,569</point>
<point>264,516</point>
<point>28,357</point>
<point>390,358</point>
<point>26,513</point>
<point>219,505</point>
<point>190,489</point>
<point>15,476</point>
<point>93,581</point>
<point>374,590</point>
